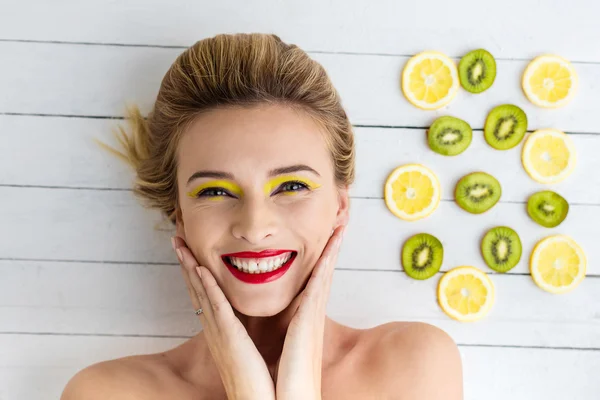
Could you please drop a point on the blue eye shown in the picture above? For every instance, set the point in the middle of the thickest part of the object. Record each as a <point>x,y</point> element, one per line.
<point>294,184</point>
<point>202,193</point>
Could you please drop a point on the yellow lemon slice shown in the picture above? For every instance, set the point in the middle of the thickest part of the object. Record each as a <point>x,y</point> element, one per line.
<point>466,294</point>
<point>430,80</point>
<point>412,192</point>
<point>548,155</point>
<point>557,264</point>
<point>549,81</point>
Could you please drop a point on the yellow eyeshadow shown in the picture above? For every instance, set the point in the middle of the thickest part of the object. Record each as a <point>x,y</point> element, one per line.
<point>232,187</point>
<point>275,182</point>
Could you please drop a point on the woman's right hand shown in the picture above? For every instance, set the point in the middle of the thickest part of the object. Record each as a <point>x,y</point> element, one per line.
<point>243,370</point>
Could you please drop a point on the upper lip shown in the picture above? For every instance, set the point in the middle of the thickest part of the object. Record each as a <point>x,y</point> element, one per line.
<point>261,254</point>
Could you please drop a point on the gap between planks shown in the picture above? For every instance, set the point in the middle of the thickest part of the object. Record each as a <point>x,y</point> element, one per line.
<point>158,46</point>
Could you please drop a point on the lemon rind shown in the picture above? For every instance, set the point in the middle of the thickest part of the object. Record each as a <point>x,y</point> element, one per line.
<point>388,194</point>
<point>527,148</point>
<point>537,278</point>
<point>486,308</point>
<point>453,72</point>
<point>530,69</point>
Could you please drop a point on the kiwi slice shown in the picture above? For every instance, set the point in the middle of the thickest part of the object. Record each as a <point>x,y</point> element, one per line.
<point>449,136</point>
<point>477,192</point>
<point>501,248</point>
<point>547,208</point>
<point>505,127</point>
<point>422,256</point>
<point>477,71</point>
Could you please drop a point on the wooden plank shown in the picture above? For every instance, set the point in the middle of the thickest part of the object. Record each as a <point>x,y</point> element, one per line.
<point>92,225</point>
<point>118,299</point>
<point>71,159</point>
<point>38,367</point>
<point>99,80</point>
<point>383,26</point>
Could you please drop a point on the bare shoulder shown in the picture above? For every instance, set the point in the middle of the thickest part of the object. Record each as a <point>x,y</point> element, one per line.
<point>134,377</point>
<point>415,360</point>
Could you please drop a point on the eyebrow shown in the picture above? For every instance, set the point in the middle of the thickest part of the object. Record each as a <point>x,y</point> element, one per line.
<point>273,172</point>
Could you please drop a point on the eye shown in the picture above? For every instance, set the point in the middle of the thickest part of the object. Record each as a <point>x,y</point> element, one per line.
<point>212,192</point>
<point>294,186</point>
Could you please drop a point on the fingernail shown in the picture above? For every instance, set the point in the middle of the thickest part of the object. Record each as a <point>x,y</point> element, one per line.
<point>199,272</point>
<point>179,255</point>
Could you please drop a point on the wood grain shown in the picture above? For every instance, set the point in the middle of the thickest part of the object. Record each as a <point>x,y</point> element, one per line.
<point>490,373</point>
<point>100,80</point>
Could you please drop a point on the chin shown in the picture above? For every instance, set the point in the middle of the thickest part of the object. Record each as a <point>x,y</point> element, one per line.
<point>262,308</point>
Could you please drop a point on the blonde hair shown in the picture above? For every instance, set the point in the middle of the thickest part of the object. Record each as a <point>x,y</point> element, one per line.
<point>229,70</point>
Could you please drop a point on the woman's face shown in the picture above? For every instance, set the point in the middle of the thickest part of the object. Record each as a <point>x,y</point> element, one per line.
<point>233,199</point>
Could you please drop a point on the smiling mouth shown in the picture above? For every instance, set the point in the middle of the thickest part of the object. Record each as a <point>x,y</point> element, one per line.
<point>258,266</point>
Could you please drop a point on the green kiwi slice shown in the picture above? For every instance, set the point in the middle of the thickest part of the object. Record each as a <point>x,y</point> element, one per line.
<point>422,256</point>
<point>449,136</point>
<point>501,248</point>
<point>477,71</point>
<point>547,208</point>
<point>477,192</point>
<point>505,127</point>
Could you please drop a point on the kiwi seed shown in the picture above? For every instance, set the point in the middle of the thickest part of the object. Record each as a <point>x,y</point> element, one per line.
<point>422,256</point>
<point>477,192</point>
<point>449,136</point>
<point>505,127</point>
<point>547,208</point>
<point>501,248</point>
<point>477,71</point>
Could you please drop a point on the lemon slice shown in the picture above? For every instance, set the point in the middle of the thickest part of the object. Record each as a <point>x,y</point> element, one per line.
<point>466,294</point>
<point>412,192</point>
<point>557,264</point>
<point>430,80</point>
<point>549,81</point>
<point>548,155</point>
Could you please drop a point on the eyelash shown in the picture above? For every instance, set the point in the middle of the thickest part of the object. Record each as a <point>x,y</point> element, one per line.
<point>217,189</point>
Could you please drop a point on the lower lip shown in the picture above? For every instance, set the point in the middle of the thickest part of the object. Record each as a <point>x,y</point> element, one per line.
<point>262,277</point>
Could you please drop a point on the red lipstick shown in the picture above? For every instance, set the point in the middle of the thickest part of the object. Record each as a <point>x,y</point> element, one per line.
<point>261,277</point>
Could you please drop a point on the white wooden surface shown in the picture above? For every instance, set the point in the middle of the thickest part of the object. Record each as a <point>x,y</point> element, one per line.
<point>85,277</point>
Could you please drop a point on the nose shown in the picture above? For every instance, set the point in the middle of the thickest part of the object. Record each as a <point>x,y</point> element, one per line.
<point>255,221</point>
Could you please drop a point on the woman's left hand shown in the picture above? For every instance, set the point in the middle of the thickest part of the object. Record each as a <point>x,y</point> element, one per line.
<point>300,364</point>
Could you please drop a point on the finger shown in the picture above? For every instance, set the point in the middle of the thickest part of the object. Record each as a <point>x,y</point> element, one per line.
<point>333,260</point>
<point>188,285</point>
<point>198,292</point>
<point>325,264</point>
<point>221,308</point>
<point>320,280</point>
<point>217,311</point>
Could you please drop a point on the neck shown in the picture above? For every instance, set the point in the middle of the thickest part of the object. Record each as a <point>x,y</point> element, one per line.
<point>268,333</point>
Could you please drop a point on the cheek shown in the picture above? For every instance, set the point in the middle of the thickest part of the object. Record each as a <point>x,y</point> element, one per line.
<point>201,230</point>
<point>313,216</point>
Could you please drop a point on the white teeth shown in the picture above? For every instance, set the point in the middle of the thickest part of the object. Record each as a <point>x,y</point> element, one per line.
<point>252,266</point>
<point>259,265</point>
<point>263,266</point>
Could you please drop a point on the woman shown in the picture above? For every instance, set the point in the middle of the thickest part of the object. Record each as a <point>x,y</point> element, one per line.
<point>249,152</point>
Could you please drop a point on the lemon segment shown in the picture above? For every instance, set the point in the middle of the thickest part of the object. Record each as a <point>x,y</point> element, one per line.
<point>412,192</point>
<point>549,81</point>
<point>557,264</point>
<point>548,156</point>
<point>466,294</point>
<point>430,80</point>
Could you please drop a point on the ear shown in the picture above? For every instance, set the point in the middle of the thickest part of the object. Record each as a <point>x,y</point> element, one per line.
<point>342,215</point>
<point>180,228</point>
